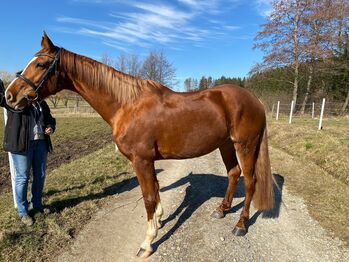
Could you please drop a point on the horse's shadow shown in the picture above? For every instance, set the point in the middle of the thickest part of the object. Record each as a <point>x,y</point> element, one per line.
<point>117,188</point>
<point>203,187</point>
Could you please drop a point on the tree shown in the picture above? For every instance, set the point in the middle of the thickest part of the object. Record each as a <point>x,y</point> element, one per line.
<point>107,60</point>
<point>120,63</point>
<point>281,38</point>
<point>157,67</point>
<point>54,99</point>
<point>203,84</point>
<point>6,77</point>
<point>317,39</point>
<point>134,65</point>
<point>190,84</point>
<point>210,82</point>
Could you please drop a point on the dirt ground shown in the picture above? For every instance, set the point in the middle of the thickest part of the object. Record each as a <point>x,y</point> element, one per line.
<point>190,191</point>
<point>61,154</point>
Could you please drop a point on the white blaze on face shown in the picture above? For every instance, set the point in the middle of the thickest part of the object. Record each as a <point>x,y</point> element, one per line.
<point>31,61</point>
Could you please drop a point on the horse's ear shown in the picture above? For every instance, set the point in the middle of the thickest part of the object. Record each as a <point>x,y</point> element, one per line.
<point>46,43</point>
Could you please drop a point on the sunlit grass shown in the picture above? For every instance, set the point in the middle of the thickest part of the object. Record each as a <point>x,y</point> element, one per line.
<point>75,191</point>
<point>328,148</point>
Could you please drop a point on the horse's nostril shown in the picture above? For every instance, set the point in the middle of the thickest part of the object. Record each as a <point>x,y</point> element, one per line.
<point>9,97</point>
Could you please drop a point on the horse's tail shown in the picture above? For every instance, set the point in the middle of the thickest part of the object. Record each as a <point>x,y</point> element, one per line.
<point>263,197</point>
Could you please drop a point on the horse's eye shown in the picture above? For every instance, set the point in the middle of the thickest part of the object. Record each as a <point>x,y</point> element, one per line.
<point>40,65</point>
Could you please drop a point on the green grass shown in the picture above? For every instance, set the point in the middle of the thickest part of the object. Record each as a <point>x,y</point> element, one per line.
<point>79,127</point>
<point>328,148</point>
<point>76,190</point>
<point>71,127</point>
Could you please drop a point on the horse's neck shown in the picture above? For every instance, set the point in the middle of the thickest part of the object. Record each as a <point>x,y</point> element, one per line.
<point>104,104</point>
<point>100,97</point>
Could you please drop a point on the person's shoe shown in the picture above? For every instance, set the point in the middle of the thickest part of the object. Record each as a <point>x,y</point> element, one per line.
<point>27,220</point>
<point>43,210</point>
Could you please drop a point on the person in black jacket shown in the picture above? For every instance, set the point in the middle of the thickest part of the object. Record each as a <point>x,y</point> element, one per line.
<point>27,137</point>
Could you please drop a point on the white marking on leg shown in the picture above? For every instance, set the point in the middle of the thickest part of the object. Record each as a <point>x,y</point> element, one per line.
<point>237,157</point>
<point>158,214</point>
<point>152,232</point>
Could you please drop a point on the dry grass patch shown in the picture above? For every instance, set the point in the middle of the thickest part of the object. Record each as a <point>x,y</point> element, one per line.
<point>314,165</point>
<point>328,148</point>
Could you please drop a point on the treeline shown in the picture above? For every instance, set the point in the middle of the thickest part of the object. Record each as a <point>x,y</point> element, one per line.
<point>192,84</point>
<point>306,54</point>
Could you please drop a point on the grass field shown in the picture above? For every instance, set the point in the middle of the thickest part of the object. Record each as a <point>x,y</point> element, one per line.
<point>79,188</point>
<point>75,190</point>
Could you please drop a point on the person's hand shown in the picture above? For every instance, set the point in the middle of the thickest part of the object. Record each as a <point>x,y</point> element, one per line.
<point>48,130</point>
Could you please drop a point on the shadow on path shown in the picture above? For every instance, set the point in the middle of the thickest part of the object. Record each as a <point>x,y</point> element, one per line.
<point>202,187</point>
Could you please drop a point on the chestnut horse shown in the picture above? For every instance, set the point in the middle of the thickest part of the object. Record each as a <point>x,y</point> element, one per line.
<point>151,122</point>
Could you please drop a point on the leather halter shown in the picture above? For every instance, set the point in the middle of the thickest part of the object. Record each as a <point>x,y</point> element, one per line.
<point>52,68</point>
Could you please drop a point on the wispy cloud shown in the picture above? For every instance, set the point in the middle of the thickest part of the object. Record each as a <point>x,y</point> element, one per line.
<point>144,23</point>
<point>264,7</point>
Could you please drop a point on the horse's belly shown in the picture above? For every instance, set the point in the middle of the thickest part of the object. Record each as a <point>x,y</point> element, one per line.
<point>191,141</point>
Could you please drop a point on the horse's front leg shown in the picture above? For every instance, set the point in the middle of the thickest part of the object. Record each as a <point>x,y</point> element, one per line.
<point>146,176</point>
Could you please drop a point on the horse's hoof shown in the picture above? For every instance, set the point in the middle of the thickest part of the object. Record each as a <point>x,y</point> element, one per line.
<point>142,253</point>
<point>238,231</point>
<point>159,224</point>
<point>217,214</point>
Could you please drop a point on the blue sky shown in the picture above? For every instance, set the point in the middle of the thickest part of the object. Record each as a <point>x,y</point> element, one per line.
<point>200,37</point>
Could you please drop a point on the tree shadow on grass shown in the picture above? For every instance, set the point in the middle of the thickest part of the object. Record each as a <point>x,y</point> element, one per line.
<point>203,187</point>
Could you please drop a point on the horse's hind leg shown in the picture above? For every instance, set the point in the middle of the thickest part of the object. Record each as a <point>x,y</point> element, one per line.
<point>145,172</point>
<point>246,157</point>
<point>229,158</point>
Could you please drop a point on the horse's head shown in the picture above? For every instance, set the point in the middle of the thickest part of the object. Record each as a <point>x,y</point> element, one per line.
<point>38,79</point>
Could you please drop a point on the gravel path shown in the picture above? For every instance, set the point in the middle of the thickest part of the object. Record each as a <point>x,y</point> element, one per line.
<point>190,191</point>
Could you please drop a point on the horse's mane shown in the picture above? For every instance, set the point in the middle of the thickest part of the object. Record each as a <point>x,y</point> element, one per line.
<point>123,87</point>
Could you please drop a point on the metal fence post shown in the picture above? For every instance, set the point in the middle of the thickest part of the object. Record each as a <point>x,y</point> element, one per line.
<point>312,110</point>
<point>277,110</point>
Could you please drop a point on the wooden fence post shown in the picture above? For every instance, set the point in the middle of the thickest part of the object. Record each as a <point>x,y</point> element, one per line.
<point>321,114</point>
<point>277,110</point>
<point>291,113</point>
<point>12,167</point>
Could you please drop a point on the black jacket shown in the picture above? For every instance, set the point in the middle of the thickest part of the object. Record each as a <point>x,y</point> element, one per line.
<point>16,137</point>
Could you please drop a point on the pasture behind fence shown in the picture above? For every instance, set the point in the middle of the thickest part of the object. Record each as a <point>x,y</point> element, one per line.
<point>70,105</point>
<point>313,111</point>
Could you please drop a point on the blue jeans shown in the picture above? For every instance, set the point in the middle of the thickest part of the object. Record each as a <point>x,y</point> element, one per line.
<point>35,158</point>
